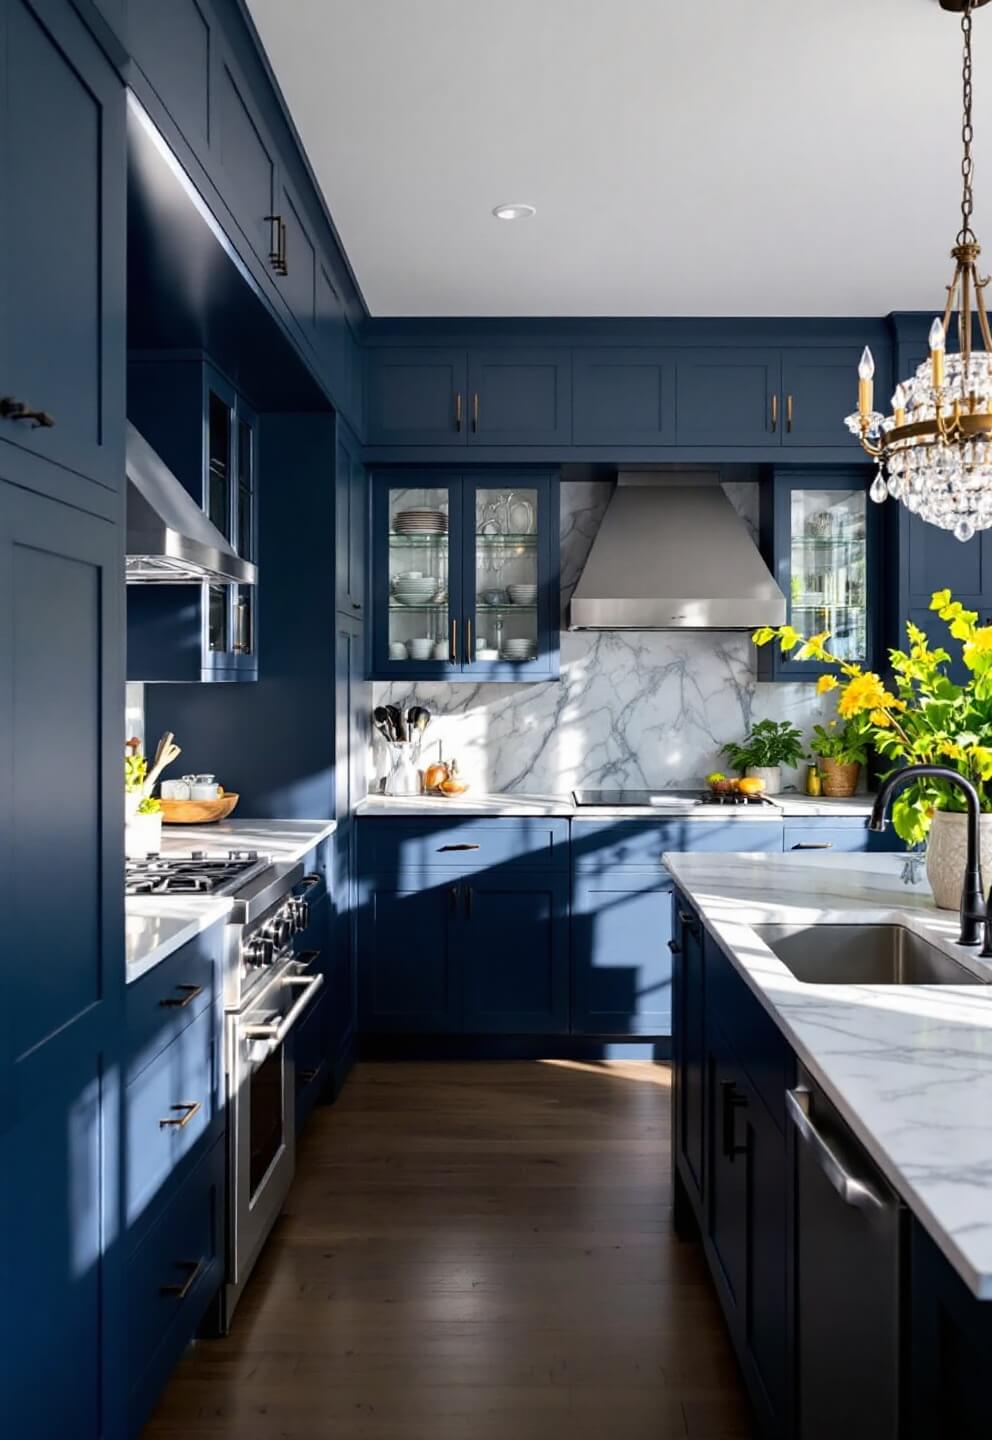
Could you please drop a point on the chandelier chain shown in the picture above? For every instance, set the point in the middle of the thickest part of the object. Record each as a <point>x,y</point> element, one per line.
<point>966,234</point>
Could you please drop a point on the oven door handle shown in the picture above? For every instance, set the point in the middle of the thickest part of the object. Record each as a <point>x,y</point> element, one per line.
<point>276,1034</point>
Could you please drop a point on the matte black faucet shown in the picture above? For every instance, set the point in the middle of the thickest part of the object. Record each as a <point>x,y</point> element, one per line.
<point>972,897</point>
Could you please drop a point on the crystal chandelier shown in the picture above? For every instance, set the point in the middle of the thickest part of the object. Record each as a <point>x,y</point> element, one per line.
<point>934,451</point>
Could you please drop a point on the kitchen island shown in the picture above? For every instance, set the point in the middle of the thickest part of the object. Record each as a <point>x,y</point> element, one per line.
<point>833,1141</point>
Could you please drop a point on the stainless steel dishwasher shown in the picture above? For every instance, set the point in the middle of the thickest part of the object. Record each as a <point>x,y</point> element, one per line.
<point>847,1255</point>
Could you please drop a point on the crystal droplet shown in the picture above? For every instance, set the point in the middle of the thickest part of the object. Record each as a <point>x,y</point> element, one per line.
<point>879,490</point>
<point>964,529</point>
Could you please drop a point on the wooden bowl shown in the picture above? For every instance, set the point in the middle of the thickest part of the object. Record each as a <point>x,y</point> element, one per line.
<point>198,812</point>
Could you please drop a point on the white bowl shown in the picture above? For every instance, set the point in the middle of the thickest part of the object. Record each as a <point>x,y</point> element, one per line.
<point>522,594</point>
<point>398,651</point>
<point>487,654</point>
<point>420,649</point>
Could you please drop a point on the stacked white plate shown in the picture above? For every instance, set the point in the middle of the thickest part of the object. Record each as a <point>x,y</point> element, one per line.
<point>420,521</point>
<point>416,591</point>
<point>522,594</point>
<point>519,649</point>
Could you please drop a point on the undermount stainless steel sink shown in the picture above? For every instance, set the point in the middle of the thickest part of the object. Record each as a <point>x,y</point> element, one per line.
<point>862,955</point>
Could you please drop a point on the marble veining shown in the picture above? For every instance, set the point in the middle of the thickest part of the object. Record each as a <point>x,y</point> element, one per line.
<point>909,1067</point>
<point>631,709</point>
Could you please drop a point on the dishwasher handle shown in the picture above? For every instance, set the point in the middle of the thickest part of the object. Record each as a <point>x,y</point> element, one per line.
<point>851,1190</point>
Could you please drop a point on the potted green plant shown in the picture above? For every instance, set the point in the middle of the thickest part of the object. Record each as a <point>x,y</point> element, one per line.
<point>841,749</point>
<point>770,745</point>
<point>922,716</point>
<point>142,812</point>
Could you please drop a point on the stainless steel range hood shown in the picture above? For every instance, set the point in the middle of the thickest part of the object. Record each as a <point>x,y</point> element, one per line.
<point>673,554</point>
<point>169,539</point>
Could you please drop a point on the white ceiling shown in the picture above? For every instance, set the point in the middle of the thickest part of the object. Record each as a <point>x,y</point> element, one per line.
<point>736,157</point>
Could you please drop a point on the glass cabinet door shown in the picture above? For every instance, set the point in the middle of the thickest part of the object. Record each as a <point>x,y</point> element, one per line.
<point>417,579</point>
<point>503,575</point>
<point>230,501</point>
<point>828,567</point>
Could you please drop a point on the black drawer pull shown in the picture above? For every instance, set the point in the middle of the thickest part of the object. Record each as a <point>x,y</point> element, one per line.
<point>814,845</point>
<point>11,409</point>
<point>463,846</point>
<point>308,958</point>
<point>469,901</point>
<point>307,883</point>
<point>179,1002</point>
<point>305,1078</point>
<point>690,922</point>
<point>732,1101</point>
<point>179,1292</point>
<point>189,1108</point>
<point>675,947</point>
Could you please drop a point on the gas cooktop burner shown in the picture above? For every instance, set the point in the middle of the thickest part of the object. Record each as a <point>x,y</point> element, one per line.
<point>662,800</point>
<point>197,873</point>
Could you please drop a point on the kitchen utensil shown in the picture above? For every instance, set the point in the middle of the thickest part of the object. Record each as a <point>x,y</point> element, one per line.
<point>418,719</point>
<point>397,723</point>
<point>384,722</point>
<point>198,812</point>
<point>168,755</point>
<point>166,739</point>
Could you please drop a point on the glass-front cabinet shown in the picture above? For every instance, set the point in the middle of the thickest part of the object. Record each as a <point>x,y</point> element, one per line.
<point>465,576</point>
<point>820,528</point>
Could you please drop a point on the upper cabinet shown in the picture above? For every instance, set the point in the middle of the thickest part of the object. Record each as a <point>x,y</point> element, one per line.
<point>465,576</point>
<point>62,281</point>
<point>476,397</point>
<point>728,397</point>
<point>820,387</point>
<point>623,397</point>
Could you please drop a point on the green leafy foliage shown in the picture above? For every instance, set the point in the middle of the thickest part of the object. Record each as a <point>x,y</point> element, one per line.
<point>771,742</point>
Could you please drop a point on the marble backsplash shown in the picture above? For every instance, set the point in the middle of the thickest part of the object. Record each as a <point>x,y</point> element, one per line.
<point>632,708</point>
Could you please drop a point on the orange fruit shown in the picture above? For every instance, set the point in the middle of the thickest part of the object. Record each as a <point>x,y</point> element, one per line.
<point>750,785</point>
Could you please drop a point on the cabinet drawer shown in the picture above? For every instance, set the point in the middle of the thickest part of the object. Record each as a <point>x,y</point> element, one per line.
<point>460,846</point>
<point>170,997</point>
<point>171,1277</point>
<point>601,844</point>
<point>758,1043</point>
<point>171,1105</point>
<point>855,836</point>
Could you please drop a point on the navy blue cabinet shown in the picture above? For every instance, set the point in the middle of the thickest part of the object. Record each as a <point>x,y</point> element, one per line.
<point>819,388</point>
<point>689,1067</point>
<point>950,1337</point>
<point>821,536</point>
<point>172,45</point>
<point>514,954</point>
<point>476,397</point>
<point>621,966</point>
<point>729,397</point>
<point>247,157</point>
<point>351,525</point>
<point>62,283</point>
<point>623,396</point>
<point>493,612</point>
<point>208,436</point>
<point>409,976</point>
<point>60,1064</point>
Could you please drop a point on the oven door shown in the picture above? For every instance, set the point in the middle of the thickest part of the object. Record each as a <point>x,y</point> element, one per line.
<point>261,1110</point>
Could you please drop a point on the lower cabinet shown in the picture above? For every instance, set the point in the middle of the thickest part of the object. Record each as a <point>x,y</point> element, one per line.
<point>480,953</point>
<point>951,1339</point>
<point>621,966</point>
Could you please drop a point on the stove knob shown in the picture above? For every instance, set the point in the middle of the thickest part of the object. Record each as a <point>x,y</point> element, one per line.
<point>259,951</point>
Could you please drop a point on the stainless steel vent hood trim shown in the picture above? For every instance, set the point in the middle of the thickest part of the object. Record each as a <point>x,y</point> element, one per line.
<point>673,554</point>
<point>169,539</point>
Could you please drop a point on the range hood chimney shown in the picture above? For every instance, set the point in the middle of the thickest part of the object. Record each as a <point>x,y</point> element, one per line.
<point>673,554</point>
<point>169,539</point>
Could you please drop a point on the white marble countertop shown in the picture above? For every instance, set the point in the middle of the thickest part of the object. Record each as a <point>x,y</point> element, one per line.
<point>156,925</point>
<point>909,1067</point>
<point>475,803</point>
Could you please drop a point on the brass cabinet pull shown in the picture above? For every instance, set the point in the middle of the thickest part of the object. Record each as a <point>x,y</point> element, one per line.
<point>277,244</point>
<point>186,997</point>
<point>774,413</point>
<point>788,414</point>
<point>458,411</point>
<point>454,642</point>
<point>468,642</point>
<point>189,1109</point>
<point>179,1292</point>
<point>475,411</point>
<point>464,845</point>
<point>11,409</point>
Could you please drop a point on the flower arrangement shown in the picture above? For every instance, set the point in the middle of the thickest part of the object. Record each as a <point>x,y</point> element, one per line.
<point>925,717</point>
<point>135,774</point>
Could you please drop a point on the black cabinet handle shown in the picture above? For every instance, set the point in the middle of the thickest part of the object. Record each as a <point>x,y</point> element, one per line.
<point>464,846</point>
<point>277,244</point>
<point>814,845</point>
<point>469,901</point>
<point>688,919</point>
<point>308,958</point>
<point>186,997</point>
<point>11,409</point>
<point>179,1292</point>
<point>675,947</point>
<point>731,1101</point>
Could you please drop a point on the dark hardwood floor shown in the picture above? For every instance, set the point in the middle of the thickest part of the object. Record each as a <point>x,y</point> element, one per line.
<point>474,1252</point>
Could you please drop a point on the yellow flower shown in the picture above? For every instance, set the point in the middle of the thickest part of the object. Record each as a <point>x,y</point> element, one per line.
<point>939,599</point>
<point>951,750</point>
<point>982,639</point>
<point>880,718</point>
<point>825,683</point>
<point>865,692</point>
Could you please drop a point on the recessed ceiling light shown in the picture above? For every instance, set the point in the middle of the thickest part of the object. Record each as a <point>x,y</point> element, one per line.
<point>514,212</point>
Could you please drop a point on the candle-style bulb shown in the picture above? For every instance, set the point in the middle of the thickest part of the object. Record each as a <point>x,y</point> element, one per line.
<point>937,340</point>
<point>899,399</point>
<point>866,365</point>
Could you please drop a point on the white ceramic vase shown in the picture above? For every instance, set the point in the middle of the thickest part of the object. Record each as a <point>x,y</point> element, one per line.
<point>770,775</point>
<point>142,835</point>
<point>947,847</point>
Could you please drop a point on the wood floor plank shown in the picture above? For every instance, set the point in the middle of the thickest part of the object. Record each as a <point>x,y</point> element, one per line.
<point>474,1252</point>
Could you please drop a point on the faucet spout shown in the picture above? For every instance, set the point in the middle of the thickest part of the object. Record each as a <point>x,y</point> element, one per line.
<point>973,908</point>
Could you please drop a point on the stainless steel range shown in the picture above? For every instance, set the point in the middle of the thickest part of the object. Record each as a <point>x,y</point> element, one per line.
<point>674,802</point>
<point>270,980</point>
